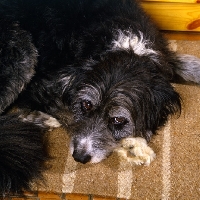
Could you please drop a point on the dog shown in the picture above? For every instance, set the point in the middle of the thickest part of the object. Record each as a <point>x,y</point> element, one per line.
<point>100,67</point>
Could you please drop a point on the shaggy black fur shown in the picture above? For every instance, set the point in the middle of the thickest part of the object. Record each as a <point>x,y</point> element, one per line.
<point>103,71</point>
<point>22,144</point>
<point>22,154</point>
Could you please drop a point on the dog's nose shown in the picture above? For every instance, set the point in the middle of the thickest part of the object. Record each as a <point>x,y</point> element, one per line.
<point>81,157</point>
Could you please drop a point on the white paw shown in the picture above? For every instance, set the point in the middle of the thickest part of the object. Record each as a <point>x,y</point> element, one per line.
<point>52,122</point>
<point>136,150</point>
<point>40,119</point>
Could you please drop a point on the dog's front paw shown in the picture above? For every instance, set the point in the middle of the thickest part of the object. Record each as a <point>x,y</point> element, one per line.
<point>136,150</point>
<point>40,119</point>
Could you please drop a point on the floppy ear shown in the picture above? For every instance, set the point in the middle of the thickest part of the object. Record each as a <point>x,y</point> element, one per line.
<point>166,102</point>
<point>154,100</point>
<point>159,103</point>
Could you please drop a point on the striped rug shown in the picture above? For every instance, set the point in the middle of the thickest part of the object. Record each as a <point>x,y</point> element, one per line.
<point>174,174</point>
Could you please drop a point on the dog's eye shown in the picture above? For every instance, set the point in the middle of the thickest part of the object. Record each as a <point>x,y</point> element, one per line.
<point>116,124</point>
<point>86,106</point>
<point>118,120</point>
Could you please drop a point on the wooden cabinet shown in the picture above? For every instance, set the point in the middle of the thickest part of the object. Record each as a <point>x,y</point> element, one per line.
<point>177,15</point>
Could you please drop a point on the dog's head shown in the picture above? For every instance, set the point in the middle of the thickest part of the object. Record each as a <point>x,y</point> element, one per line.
<point>123,95</point>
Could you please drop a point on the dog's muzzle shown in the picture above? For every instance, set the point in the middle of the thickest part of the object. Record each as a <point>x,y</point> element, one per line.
<point>91,141</point>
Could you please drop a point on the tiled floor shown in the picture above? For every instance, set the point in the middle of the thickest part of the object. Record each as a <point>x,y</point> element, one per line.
<point>53,196</point>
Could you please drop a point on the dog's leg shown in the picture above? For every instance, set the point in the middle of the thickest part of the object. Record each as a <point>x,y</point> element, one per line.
<point>189,68</point>
<point>18,57</point>
<point>40,119</point>
<point>136,151</point>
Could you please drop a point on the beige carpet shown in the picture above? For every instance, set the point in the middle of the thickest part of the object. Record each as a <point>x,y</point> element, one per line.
<point>174,174</point>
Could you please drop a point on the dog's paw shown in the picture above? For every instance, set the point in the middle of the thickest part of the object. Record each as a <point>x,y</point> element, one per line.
<point>52,122</point>
<point>136,150</point>
<point>40,119</point>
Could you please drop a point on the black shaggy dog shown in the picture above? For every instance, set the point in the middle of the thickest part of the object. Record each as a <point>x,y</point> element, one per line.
<point>101,68</point>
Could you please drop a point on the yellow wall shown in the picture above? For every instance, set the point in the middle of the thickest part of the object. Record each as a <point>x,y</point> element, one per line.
<point>174,16</point>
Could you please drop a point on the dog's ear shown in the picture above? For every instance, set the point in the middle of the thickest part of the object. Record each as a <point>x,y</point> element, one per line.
<point>165,102</point>
<point>157,105</point>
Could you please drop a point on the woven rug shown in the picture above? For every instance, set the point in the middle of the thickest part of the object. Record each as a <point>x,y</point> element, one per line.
<point>174,174</point>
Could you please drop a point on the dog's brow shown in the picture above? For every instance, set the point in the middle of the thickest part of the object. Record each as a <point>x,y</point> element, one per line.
<point>119,111</point>
<point>90,93</point>
<point>65,82</point>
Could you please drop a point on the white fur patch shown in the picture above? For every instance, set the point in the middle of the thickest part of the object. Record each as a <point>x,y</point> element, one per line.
<point>128,40</point>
